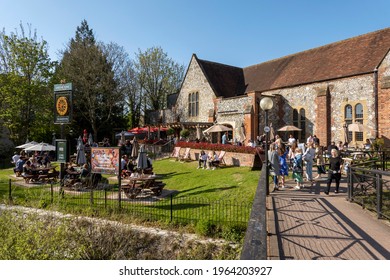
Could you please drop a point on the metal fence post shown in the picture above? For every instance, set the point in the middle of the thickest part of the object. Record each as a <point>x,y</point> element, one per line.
<point>379,195</point>
<point>105,199</point>
<point>10,192</point>
<point>51,193</point>
<point>91,197</point>
<point>171,207</point>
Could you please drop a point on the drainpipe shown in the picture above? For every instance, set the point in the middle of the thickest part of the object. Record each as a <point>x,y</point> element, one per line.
<point>376,101</point>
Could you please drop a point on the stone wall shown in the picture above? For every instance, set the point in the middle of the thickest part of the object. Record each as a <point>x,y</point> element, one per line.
<point>195,81</point>
<point>345,91</point>
<point>232,111</point>
<point>232,159</point>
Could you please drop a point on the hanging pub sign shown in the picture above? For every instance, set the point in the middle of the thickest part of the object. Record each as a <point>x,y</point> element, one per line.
<point>62,103</point>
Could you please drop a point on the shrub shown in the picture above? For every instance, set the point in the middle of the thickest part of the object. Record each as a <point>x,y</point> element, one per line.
<point>219,147</point>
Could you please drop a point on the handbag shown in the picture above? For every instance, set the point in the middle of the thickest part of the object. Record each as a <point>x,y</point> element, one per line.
<point>307,157</point>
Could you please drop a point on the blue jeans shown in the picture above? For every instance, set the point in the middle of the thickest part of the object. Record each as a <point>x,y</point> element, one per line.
<point>309,170</point>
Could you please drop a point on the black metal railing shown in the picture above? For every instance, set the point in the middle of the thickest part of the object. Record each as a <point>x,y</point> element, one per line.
<point>255,242</point>
<point>369,186</point>
<point>183,210</point>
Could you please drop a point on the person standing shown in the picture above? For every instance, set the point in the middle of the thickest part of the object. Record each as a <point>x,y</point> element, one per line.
<point>320,161</point>
<point>334,171</point>
<point>298,168</point>
<point>308,157</point>
<point>283,166</point>
<point>273,158</point>
<point>225,138</point>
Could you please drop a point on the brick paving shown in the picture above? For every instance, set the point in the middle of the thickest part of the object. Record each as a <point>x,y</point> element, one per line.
<point>306,224</point>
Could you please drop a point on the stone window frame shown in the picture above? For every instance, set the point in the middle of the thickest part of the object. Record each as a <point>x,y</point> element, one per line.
<point>299,120</point>
<point>193,104</point>
<point>352,116</point>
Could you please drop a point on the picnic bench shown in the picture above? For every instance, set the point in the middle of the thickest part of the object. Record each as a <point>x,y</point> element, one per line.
<point>42,175</point>
<point>138,184</point>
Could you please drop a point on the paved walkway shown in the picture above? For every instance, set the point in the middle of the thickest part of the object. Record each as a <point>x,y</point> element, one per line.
<point>306,224</point>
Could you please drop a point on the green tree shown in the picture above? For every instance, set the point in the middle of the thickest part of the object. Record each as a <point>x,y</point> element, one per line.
<point>158,76</point>
<point>96,99</point>
<point>25,73</point>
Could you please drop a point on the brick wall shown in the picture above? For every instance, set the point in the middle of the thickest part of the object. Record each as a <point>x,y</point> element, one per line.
<point>384,100</point>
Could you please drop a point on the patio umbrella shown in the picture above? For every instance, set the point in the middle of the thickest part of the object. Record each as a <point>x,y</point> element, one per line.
<point>345,134</point>
<point>27,145</point>
<point>80,156</point>
<point>289,128</point>
<point>198,132</point>
<point>41,147</point>
<point>134,150</point>
<point>359,127</point>
<point>90,139</point>
<point>217,128</point>
<point>142,160</point>
<point>125,134</point>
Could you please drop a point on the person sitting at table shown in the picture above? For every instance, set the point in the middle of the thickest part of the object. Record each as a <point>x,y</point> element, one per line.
<point>202,160</point>
<point>27,168</point>
<point>367,145</point>
<point>46,160</point>
<point>213,161</point>
<point>84,171</point>
<point>331,146</point>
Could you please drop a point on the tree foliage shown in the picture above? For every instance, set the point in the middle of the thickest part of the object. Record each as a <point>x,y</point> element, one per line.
<point>158,76</point>
<point>96,99</point>
<point>25,73</point>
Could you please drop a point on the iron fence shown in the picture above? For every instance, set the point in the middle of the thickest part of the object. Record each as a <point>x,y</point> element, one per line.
<point>369,186</point>
<point>182,210</point>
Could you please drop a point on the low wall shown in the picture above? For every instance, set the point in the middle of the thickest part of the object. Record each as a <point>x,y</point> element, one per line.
<point>233,159</point>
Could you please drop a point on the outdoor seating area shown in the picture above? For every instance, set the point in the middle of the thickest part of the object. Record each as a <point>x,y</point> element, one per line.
<point>145,183</point>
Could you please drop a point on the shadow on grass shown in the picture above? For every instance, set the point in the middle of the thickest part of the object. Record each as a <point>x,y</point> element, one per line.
<point>208,190</point>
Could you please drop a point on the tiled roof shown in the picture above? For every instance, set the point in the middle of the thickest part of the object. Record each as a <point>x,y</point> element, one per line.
<point>226,80</point>
<point>354,56</point>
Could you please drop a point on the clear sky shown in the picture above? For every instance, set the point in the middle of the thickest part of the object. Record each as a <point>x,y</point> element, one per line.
<point>239,33</point>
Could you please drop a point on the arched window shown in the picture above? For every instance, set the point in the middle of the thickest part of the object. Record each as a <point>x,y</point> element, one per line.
<point>348,118</point>
<point>359,119</point>
<point>354,114</point>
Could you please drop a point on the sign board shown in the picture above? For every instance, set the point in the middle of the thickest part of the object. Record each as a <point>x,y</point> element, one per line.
<point>63,103</point>
<point>62,150</point>
<point>267,129</point>
<point>105,160</point>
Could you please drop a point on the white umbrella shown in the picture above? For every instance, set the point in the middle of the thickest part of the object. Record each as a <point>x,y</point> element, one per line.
<point>80,156</point>
<point>27,145</point>
<point>359,127</point>
<point>217,128</point>
<point>41,147</point>
<point>142,160</point>
<point>289,128</point>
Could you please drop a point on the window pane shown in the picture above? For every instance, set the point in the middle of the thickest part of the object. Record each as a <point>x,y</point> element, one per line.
<point>348,112</point>
<point>359,111</point>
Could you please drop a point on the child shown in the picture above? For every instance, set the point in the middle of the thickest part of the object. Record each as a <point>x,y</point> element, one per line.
<point>298,168</point>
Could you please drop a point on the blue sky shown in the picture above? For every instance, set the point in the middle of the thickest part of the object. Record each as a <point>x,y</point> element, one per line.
<point>238,33</point>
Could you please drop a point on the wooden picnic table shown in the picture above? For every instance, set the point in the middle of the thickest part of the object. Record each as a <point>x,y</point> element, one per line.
<point>137,184</point>
<point>41,174</point>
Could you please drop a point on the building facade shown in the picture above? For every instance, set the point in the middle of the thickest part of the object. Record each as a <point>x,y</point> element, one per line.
<point>320,90</point>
